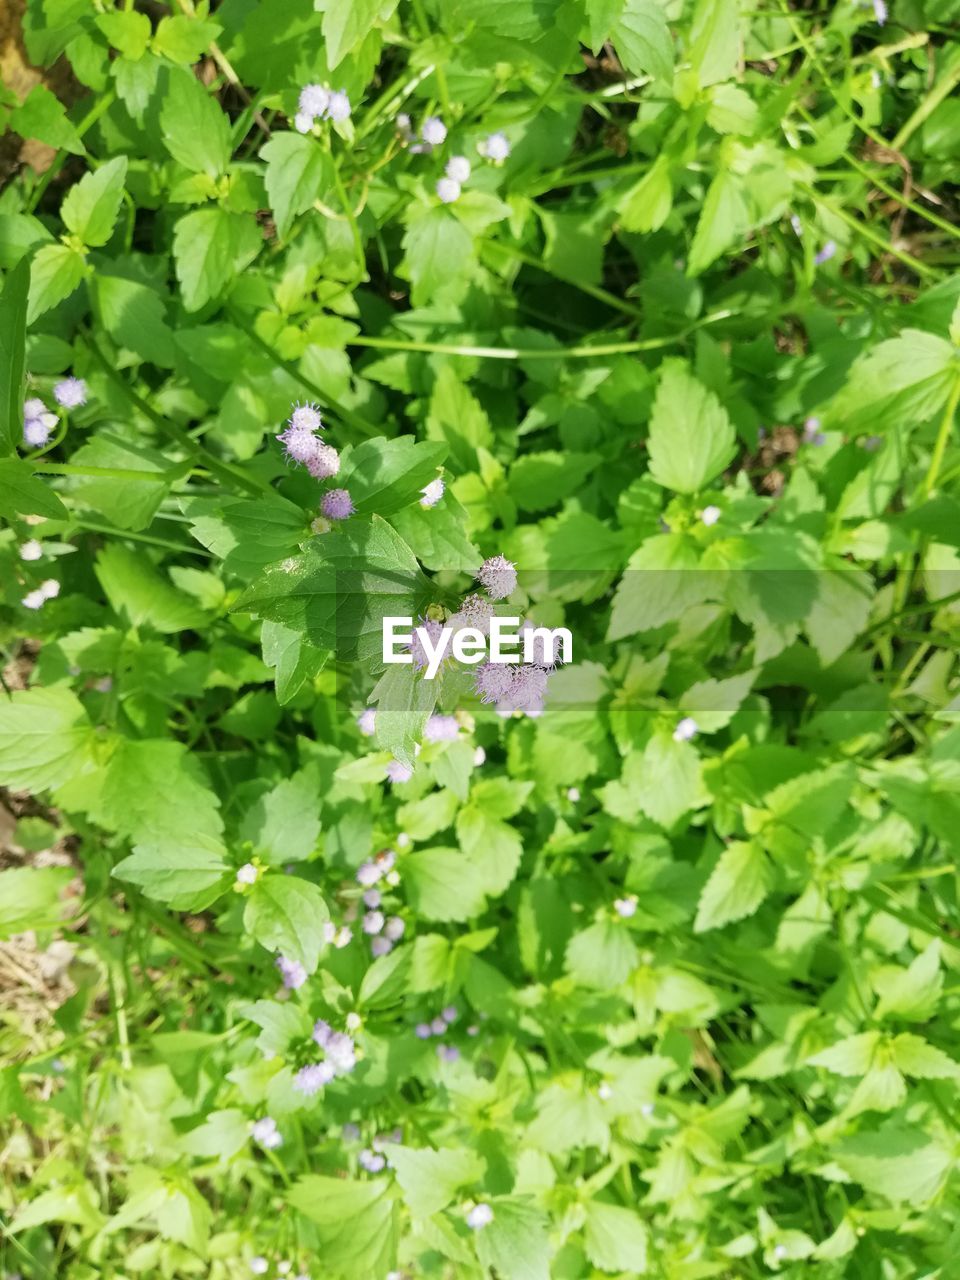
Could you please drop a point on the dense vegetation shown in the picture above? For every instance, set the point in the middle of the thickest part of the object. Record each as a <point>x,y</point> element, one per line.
<point>312,313</point>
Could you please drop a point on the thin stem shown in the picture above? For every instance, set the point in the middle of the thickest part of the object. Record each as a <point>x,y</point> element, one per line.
<point>167,543</point>
<point>928,106</point>
<point>868,233</point>
<point>109,473</point>
<point>943,436</point>
<point>442,90</point>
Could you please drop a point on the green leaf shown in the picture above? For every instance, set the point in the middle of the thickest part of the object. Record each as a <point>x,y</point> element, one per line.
<point>438,252</point>
<point>23,493</point>
<point>905,378</point>
<point>41,116</point>
<point>184,39</point>
<point>913,993</point>
<point>30,897</point>
<point>222,1135</point>
<point>298,172</point>
<point>141,777</point>
<point>442,884</point>
<point>852,1056</point>
<point>286,914</point>
<point>923,1061</point>
<point>356,1222</point>
<point>404,701</point>
<point>339,589</point>
<point>90,208</point>
<point>128,504</point>
<point>384,475</point>
<point>691,437</point>
<point>75,1204</point>
<point>189,874</point>
<point>55,272</point>
<point>134,315</point>
<point>284,824</point>
<point>642,39</point>
<point>539,481</point>
<point>437,536</point>
<point>346,25</point>
<point>195,130</point>
<point>294,659</point>
<point>665,780</point>
<point>45,739</point>
<point>493,846</point>
<point>738,884</point>
<point>661,582</point>
<point>138,593</point>
<point>601,956</point>
<point>430,1179</point>
<point>715,40</point>
<point>901,1163</point>
<point>615,1239</point>
<point>569,1116</point>
<point>724,219</point>
<point>128,31</point>
<point>515,1244</point>
<point>210,246</point>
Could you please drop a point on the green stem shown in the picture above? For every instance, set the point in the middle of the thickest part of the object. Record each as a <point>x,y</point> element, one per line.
<point>109,473</point>
<point>928,106</point>
<point>943,436</point>
<point>593,291</point>
<point>442,90</point>
<point>168,544</point>
<point>868,233</point>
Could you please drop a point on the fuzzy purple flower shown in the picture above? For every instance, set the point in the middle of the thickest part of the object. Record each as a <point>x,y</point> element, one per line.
<point>367,721</point>
<point>306,417</point>
<point>368,874</point>
<point>380,946</point>
<point>626,907</point>
<point>394,928</point>
<point>499,576</point>
<point>493,681</point>
<point>372,898</point>
<point>448,1052</point>
<point>373,922</point>
<point>265,1133</point>
<point>880,11</point>
<point>338,108</point>
<point>475,611</point>
<point>324,463</point>
<point>292,972</point>
<point>337,505</point>
<point>441,729</point>
<point>825,254</point>
<point>371,1161</point>
<point>418,652</point>
<point>312,1078</point>
<point>313,101</point>
<point>70,393</point>
<point>812,433</point>
<point>398,772</point>
<point>422,1031</point>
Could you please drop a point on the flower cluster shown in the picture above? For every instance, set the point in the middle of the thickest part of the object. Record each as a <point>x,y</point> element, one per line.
<point>378,868</point>
<point>441,729</point>
<point>49,589</point>
<point>439,1025</point>
<point>383,931</point>
<point>70,393</point>
<point>339,1059</point>
<point>512,688</point>
<point>305,447</point>
<point>292,972</point>
<point>266,1134</point>
<point>317,102</point>
<point>38,423</point>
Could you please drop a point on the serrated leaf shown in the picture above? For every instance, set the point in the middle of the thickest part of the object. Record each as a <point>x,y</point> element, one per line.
<point>691,437</point>
<point>738,884</point>
<point>286,914</point>
<point>90,208</point>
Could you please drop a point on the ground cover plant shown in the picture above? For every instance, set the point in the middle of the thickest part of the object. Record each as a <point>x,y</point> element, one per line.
<point>632,317</point>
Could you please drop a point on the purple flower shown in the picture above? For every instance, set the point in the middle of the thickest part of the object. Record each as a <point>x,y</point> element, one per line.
<point>432,493</point>
<point>373,922</point>
<point>458,168</point>
<point>449,1014</point>
<point>422,1031</point>
<point>367,722</point>
<point>438,1026</point>
<point>340,1053</point>
<point>825,254</point>
<point>493,681</point>
<point>418,652</point>
<point>499,577</point>
<point>448,1052</point>
<point>265,1132</point>
<point>36,431</point>
<point>372,898</point>
<point>448,190</point>
<point>371,1161</point>
<point>812,433</point>
<point>386,859</point>
<point>394,928</point>
<point>292,972</point>
<point>299,443</point>
<point>494,147</point>
<point>441,729</point>
<point>369,873</point>
<point>880,11</point>
<point>337,505</point>
<point>324,463</point>
<point>870,443</point>
<point>311,1078</point>
<point>70,393</point>
<point>350,1132</point>
<point>322,1033</point>
<point>686,729</point>
<point>433,131</point>
<point>397,772</point>
<point>528,688</point>
<point>475,611</point>
<point>380,947</point>
<point>480,1216</point>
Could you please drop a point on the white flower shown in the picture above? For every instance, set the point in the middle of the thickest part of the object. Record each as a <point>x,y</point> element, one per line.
<point>31,550</point>
<point>259,1266</point>
<point>433,131</point>
<point>479,756</point>
<point>710,515</point>
<point>604,1092</point>
<point>247,874</point>
<point>338,108</point>
<point>448,190</point>
<point>686,729</point>
<point>302,123</point>
<point>480,1216</point>
<point>33,600</point>
<point>458,168</point>
<point>573,794</point>
<point>432,493</point>
<point>50,588</point>
<point>373,922</point>
<point>367,722</point>
<point>314,100</point>
<point>626,907</point>
<point>494,147</point>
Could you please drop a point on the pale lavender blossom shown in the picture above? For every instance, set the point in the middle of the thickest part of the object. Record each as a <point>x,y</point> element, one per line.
<point>313,101</point>
<point>422,1031</point>
<point>528,688</point>
<point>312,1078</point>
<point>343,938</point>
<point>265,1133</point>
<point>448,1052</point>
<point>386,859</point>
<point>880,11</point>
<point>367,721</point>
<point>30,550</point>
<point>450,1013</point>
<point>812,433</point>
<point>369,874</point>
<point>292,972</point>
<point>686,729</point>
<point>710,515</point>
<point>475,611</point>
<point>499,576</point>
<point>324,463</point>
<point>338,108</point>
<point>350,1132</point>
<point>372,898</point>
<point>493,682</point>
<point>36,431</point>
<point>302,123</point>
<point>438,1026</point>
<point>825,254</point>
<point>870,443</point>
<point>259,1266</point>
<point>448,190</point>
<point>394,928</point>
<point>433,131</point>
<point>495,147</point>
<point>70,393</point>
<point>441,729</point>
<point>373,922</point>
<point>626,907</point>
<point>337,505</point>
<point>380,946</point>
<point>299,443</point>
<point>458,168</point>
<point>372,1161</point>
<point>432,493</point>
<point>480,1216</point>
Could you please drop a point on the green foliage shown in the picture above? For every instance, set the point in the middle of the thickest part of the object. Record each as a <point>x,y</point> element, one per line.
<point>312,966</point>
